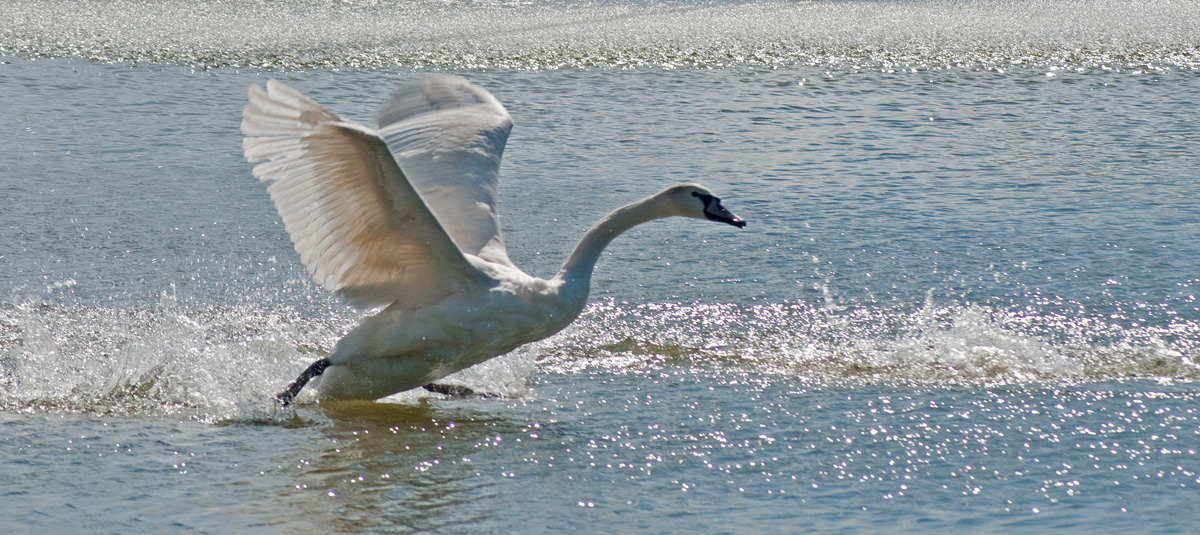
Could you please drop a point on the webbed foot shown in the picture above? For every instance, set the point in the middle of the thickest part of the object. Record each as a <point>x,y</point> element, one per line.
<point>459,391</point>
<point>317,368</point>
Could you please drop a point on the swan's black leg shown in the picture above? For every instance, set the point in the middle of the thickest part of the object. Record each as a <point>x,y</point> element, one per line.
<point>459,391</point>
<point>285,398</point>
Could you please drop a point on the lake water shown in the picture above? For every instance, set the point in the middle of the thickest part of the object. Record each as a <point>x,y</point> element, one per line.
<point>965,300</point>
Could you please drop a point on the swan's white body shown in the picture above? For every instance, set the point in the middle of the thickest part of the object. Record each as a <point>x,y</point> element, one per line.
<point>405,217</point>
<point>401,348</point>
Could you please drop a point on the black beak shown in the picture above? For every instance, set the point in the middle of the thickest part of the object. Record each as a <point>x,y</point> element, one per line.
<point>715,212</point>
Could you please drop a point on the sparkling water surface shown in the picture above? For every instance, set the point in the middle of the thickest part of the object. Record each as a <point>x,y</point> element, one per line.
<point>965,300</point>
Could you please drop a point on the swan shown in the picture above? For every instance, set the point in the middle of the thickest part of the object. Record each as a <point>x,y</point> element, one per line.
<point>404,217</point>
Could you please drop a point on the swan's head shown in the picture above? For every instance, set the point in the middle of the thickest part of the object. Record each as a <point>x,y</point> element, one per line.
<point>696,201</point>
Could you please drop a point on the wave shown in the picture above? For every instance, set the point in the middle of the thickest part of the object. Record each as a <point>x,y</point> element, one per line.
<point>220,362</point>
<point>1100,34</point>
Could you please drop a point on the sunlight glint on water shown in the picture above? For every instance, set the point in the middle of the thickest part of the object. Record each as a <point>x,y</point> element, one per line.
<point>552,34</point>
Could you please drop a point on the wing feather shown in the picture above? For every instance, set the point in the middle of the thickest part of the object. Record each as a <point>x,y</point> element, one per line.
<point>449,136</point>
<point>360,227</point>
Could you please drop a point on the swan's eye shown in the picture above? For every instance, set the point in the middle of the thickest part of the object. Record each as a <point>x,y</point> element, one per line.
<point>695,194</point>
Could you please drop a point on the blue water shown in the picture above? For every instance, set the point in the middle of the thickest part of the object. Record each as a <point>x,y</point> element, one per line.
<point>965,301</point>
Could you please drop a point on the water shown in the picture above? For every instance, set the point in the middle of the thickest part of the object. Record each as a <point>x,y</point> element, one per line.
<point>965,300</point>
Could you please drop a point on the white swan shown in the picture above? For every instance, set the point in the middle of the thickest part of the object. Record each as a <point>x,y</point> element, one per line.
<point>405,217</point>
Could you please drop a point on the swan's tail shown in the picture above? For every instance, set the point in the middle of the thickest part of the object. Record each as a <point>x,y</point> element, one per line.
<point>285,398</point>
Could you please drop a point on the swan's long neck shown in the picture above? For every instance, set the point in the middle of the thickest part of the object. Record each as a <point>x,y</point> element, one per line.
<point>576,272</point>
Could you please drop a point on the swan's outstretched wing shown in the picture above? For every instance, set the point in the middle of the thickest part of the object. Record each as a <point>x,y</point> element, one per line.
<point>359,226</point>
<point>449,135</point>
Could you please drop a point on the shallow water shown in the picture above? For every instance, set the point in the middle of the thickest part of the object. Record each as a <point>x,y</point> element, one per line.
<point>965,300</point>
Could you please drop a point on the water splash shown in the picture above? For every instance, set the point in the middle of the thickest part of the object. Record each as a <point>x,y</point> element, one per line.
<point>208,362</point>
<point>215,362</point>
<point>947,345</point>
<point>1123,34</point>
<point>205,361</point>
